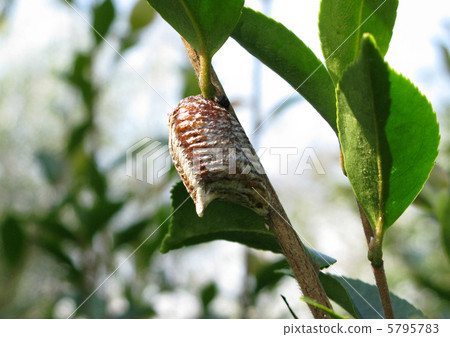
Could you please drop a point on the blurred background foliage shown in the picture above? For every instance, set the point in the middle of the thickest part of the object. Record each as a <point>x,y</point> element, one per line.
<point>69,217</point>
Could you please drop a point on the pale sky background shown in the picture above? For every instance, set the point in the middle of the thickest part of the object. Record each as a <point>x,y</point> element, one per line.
<point>41,29</point>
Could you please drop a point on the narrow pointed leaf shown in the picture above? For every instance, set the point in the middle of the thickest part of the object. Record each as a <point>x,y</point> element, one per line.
<point>205,24</point>
<point>324,308</point>
<point>342,24</point>
<point>389,136</point>
<point>283,52</point>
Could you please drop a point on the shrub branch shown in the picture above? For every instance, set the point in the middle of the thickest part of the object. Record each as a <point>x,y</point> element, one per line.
<point>303,267</point>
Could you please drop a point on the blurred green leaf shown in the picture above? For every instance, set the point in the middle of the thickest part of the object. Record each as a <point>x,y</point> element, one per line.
<point>190,82</point>
<point>130,233</point>
<point>366,299</point>
<point>54,248</point>
<point>127,42</point>
<point>205,24</point>
<point>138,312</point>
<point>100,215</point>
<point>436,186</point>
<point>284,104</point>
<point>51,226</point>
<point>77,136</point>
<point>221,221</point>
<point>104,14</point>
<point>80,78</point>
<point>443,215</point>
<point>266,275</point>
<point>342,24</point>
<point>446,56</point>
<point>96,178</point>
<point>208,293</point>
<point>13,241</point>
<point>141,15</point>
<point>283,52</point>
<point>388,133</point>
<point>154,234</point>
<point>52,166</point>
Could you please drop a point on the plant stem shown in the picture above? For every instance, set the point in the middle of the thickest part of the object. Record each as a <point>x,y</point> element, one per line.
<point>218,94</point>
<point>205,77</point>
<point>374,242</point>
<point>304,269</point>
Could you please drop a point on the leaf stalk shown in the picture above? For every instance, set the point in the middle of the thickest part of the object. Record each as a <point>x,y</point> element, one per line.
<point>375,256</point>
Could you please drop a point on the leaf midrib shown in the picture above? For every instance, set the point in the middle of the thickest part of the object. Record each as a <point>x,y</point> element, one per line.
<point>380,216</point>
<point>196,27</point>
<point>358,36</point>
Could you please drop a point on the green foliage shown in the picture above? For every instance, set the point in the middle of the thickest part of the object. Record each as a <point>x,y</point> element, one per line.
<point>104,15</point>
<point>205,24</point>
<point>207,295</point>
<point>444,219</point>
<point>221,221</point>
<point>317,305</point>
<point>190,85</point>
<point>365,298</point>
<point>336,292</point>
<point>52,166</point>
<point>141,15</point>
<point>388,132</point>
<point>360,299</point>
<point>267,275</point>
<point>283,52</point>
<point>342,24</point>
<point>12,241</point>
<point>389,136</point>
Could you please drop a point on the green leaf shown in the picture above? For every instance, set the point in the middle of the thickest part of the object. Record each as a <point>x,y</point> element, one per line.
<point>336,292</point>
<point>282,51</point>
<point>289,307</point>
<point>80,78</point>
<point>320,306</point>
<point>12,241</point>
<point>207,294</point>
<point>190,82</point>
<point>104,15</point>
<point>141,15</point>
<point>389,136</point>
<point>205,24</point>
<point>366,299</point>
<point>342,24</point>
<point>221,221</point>
<point>100,215</point>
<point>130,233</point>
<point>443,215</point>
<point>266,275</point>
<point>324,261</point>
<point>52,166</point>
